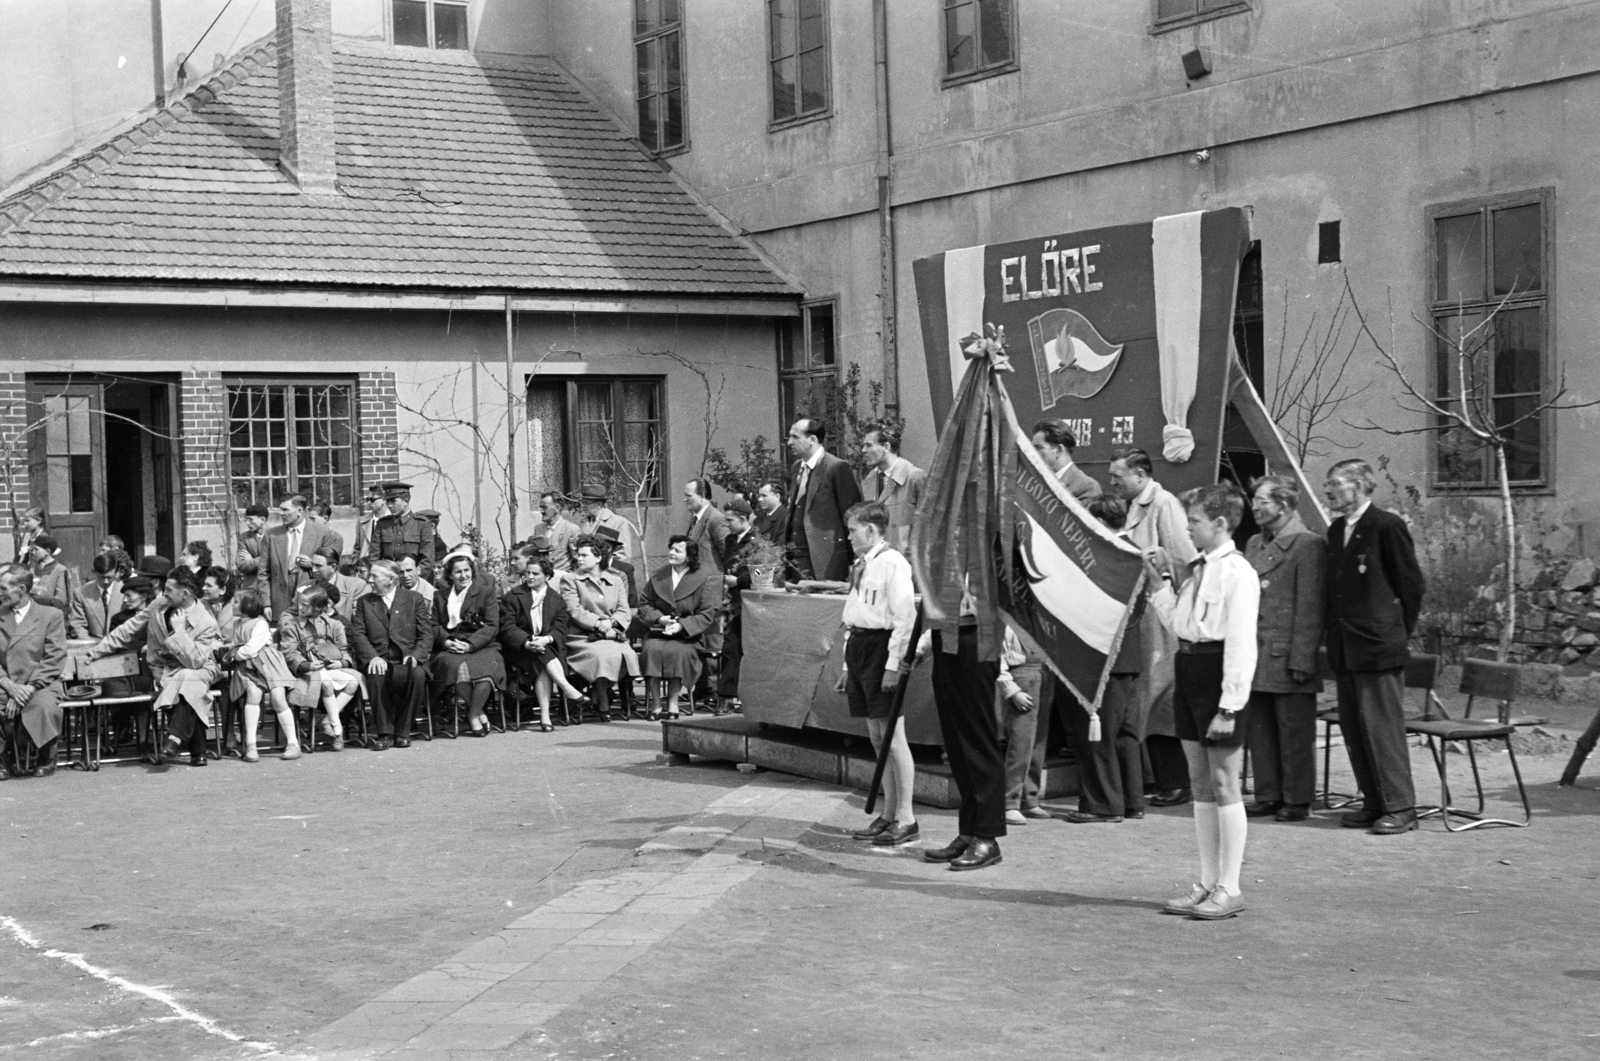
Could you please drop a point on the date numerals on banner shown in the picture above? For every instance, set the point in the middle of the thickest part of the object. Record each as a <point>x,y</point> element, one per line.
<point>1122,430</point>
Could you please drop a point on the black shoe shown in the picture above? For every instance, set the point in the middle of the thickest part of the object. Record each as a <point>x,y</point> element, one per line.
<point>1171,797</point>
<point>1292,812</point>
<point>478,732</point>
<point>402,742</point>
<point>897,834</point>
<point>1361,819</point>
<point>1133,815</point>
<point>982,852</point>
<point>950,852</point>
<point>197,760</point>
<point>873,830</point>
<point>1081,817</point>
<point>1262,809</point>
<point>46,769</point>
<point>383,744</point>
<point>1400,821</point>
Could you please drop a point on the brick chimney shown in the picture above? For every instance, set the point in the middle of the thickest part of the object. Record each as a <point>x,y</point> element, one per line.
<point>305,94</point>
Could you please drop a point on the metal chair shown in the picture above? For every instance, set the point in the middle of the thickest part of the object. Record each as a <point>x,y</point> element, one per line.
<point>1499,682</point>
<point>105,709</point>
<point>75,736</point>
<point>218,715</point>
<point>355,732</point>
<point>452,699</point>
<point>1420,674</point>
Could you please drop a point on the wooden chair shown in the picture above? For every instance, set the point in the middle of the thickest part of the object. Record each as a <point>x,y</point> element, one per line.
<point>1500,683</point>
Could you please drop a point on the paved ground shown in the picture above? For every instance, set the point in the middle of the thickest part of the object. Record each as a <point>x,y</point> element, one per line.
<point>562,896</point>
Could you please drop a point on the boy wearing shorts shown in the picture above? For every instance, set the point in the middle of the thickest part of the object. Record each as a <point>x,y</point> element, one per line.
<point>1212,608</point>
<point>878,616</point>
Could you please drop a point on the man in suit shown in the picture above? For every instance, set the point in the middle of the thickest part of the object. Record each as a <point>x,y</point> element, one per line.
<point>771,514</point>
<point>825,488</point>
<point>94,603</point>
<point>1374,592</point>
<point>1055,442</point>
<point>735,579</point>
<point>349,588</point>
<point>33,653</point>
<point>1156,519</point>
<point>894,482</point>
<point>367,526</point>
<point>391,634</point>
<point>557,530</point>
<point>286,553</point>
<point>321,513</point>
<point>596,514</point>
<point>708,528</point>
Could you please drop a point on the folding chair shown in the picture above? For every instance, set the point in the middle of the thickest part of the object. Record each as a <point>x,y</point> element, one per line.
<point>355,731</point>
<point>105,709</point>
<point>75,736</point>
<point>1499,682</point>
<point>1420,674</point>
<point>159,720</point>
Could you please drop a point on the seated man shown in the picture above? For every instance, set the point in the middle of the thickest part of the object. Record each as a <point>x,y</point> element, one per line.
<point>392,634</point>
<point>33,652</point>
<point>94,603</point>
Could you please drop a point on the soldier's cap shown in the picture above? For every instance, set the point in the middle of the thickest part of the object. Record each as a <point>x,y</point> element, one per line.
<point>395,489</point>
<point>608,534</point>
<point>428,514</point>
<point>595,492</point>
<point>739,505</point>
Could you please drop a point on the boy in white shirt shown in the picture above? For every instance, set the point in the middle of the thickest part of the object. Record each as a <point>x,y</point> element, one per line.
<point>878,616</point>
<point>1212,608</point>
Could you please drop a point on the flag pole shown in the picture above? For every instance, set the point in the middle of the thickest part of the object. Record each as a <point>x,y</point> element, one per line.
<point>895,708</point>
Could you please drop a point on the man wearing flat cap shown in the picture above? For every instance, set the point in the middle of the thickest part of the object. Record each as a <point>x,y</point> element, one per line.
<point>402,532</point>
<point>597,515</point>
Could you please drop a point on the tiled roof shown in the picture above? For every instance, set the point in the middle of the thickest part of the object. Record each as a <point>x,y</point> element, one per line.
<point>454,171</point>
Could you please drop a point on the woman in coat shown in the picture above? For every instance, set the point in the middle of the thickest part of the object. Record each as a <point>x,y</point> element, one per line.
<point>533,632</point>
<point>317,649</point>
<point>1283,698</point>
<point>597,608</point>
<point>466,623</point>
<point>678,608</point>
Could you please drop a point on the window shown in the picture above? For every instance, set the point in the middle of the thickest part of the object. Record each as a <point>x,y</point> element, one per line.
<point>428,24</point>
<point>69,453</point>
<point>1491,301</point>
<point>1329,251</point>
<point>808,373</point>
<point>658,56</point>
<point>598,431</point>
<point>292,438</point>
<point>1173,13</point>
<point>799,58</point>
<point>979,38</point>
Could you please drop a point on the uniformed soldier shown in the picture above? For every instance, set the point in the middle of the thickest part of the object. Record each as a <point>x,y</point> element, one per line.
<point>402,532</point>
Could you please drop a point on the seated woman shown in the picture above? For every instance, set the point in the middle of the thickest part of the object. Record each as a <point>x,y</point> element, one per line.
<point>678,605</point>
<point>216,593</point>
<point>466,621</point>
<point>317,649</point>
<point>33,653</point>
<point>597,608</point>
<point>533,631</point>
<point>261,670</point>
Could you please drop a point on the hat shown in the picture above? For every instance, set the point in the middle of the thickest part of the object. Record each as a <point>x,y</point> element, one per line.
<point>540,543</point>
<point>738,506</point>
<point>140,584</point>
<point>429,514</point>
<point>154,566</point>
<point>395,489</point>
<point>595,492</point>
<point>608,535</point>
<point>48,543</point>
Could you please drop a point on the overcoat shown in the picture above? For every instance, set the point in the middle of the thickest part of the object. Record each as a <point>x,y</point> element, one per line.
<point>1289,624</point>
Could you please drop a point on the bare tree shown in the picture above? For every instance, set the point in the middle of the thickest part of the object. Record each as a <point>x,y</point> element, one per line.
<point>1308,388</point>
<point>1469,410</point>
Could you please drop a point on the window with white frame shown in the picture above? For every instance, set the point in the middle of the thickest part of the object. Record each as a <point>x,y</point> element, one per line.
<point>428,24</point>
<point>292,437</point>
<point>658,72</point>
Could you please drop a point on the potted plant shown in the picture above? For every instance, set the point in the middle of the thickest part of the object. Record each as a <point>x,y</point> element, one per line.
<point>765,560</point>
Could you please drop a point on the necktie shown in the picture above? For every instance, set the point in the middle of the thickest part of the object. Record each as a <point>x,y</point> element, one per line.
<point>294,544</point>
<point>856,570</point>
<point>805,482</point>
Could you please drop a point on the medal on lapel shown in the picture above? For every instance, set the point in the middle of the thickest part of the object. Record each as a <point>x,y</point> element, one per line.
<point>1361,565</point>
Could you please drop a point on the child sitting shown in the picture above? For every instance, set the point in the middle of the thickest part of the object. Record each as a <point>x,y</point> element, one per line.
<point>261,669</point>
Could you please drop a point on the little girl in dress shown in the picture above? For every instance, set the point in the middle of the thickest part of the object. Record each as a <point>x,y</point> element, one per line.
<point>260,669</point>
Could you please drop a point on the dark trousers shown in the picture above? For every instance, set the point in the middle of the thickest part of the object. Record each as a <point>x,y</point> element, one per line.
<point>1283,747</point>
<point>1372,717</point>
<point>188,727</point>
<point>1111,769</point>
<point>398,697</point>
<point>1169,767</point>
<point>963,693</point>
<point>732,656</point>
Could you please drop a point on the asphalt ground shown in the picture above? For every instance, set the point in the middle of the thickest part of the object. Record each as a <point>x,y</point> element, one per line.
<point>246,908</point>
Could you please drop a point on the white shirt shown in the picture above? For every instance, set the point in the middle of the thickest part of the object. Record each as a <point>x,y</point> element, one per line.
<point>677,577</point>
<point>259,638</point>
<point>21,613</point>
<point>1220,605</point>
<point>536,608</point>
<point>808,466</point>
<point>388,598</point>
<point>452,607</point>
<point>882,597</point>
<point>1350,520</point>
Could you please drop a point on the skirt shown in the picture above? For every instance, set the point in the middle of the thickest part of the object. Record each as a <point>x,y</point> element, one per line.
<point>486,663</point>
<point>665,658</point>
<point>601,659</point>
<point>267,671</point>
<point>308,691</point>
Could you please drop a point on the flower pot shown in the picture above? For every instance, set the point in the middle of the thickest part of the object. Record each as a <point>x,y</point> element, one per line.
<point>763,576</point>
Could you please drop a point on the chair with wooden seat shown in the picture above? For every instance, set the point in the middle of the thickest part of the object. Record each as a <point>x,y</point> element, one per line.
<point>1421,673</point>
<point>1499,682</point>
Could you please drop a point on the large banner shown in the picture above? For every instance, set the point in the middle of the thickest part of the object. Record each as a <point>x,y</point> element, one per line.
<point>1124,332</point>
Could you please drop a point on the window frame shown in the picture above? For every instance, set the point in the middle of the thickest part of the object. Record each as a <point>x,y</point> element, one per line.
<point>801,332</point>
<point>1158,24</point>
<point>388,25</point>
<point>1437,309</point>
<point>978,73</point>
<point>293,474</point>
<point>680,27</point>
<point>825,112</point>
<point>569,414</point>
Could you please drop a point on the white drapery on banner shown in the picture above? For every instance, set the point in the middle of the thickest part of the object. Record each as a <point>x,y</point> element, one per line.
<point>1176,266</point>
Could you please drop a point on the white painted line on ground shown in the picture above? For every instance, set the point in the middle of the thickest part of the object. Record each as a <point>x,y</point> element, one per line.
<point>155,994</point>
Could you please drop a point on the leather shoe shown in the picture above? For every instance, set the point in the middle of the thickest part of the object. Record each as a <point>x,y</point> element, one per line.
<point>197,760</point>
<point>1260,809</point>
<point>402,742</point>
<point>950,852</point>
<point>980,853</point>
<point>1361,819</point>
<point>1133,815</point>
<point>1184,906</point>
<point>46,769</point>
<point>1218,906</point>
<point>383,744</point>
<point>879,824</point>
<point>1401,821</point>
<point>1014,817</point>
<point>1037,813</point>
<point>1171,797</point>
<point>1083,817</point>
<point>898,833</point>
<point>1292,812</point>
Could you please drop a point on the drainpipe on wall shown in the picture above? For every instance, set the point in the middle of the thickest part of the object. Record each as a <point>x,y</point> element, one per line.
<point>887,285</point>
<point>511,420</point>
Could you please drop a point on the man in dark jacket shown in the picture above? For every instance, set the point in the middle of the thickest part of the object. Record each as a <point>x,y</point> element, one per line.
<point>771,514</point>
<point>735,578</point>
<point>824,489</point>
<point>392,634</point>
<point>1374,592</point>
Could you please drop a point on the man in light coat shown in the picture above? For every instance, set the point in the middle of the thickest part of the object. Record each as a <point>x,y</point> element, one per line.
<point>893,482</point>
<point>286,553</point>
<point>33,654</point>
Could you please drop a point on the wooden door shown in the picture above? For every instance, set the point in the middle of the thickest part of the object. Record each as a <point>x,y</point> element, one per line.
<point>66,448</point>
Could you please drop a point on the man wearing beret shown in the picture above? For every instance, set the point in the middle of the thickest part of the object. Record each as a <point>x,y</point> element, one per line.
<point>402,532</point>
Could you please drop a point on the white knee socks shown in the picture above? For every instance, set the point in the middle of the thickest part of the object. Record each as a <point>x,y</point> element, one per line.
<point>1206,831</point>
<point>1231,831</point>
<point>904,769</point>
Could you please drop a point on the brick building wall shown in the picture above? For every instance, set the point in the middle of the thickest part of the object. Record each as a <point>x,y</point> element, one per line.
<point>13,447</point>
<point>376,428</point>
<point>203,426</point>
